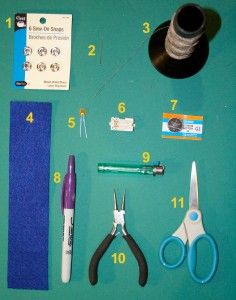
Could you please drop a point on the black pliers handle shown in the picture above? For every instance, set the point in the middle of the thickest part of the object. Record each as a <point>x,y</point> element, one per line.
<point>93,266</point>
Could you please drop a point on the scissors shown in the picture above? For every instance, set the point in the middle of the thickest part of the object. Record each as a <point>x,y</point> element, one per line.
<point>191,230</point>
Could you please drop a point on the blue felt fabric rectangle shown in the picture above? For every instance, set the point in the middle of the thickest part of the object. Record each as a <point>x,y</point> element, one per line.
<point>29,171</point>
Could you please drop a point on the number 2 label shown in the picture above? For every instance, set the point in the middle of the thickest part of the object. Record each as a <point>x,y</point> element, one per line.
<point>92,49</point>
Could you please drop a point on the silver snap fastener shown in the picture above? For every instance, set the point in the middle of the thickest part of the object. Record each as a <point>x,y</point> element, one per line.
<point>42,51</point>
<point>27,66</point>
<point>41,67</point>
<point>55,67</point>
<point>27,51</point>
<point>55,51</point>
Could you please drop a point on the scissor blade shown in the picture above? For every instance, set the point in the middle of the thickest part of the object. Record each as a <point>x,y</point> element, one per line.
<point>193,192</point>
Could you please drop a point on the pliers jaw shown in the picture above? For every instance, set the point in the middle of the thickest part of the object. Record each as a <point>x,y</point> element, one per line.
<point>119,216</point>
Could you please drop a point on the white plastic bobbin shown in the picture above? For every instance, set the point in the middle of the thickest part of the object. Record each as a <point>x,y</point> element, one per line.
<point>118,124</point>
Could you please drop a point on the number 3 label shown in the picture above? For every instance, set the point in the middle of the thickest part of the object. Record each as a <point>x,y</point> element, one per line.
<point>146,27</point>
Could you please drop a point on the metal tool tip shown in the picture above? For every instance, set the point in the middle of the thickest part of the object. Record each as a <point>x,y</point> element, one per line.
<point>115,200</point>
<point>123,202</point>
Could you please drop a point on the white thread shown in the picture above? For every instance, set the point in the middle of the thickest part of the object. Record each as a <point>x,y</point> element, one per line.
<point>179,47</point>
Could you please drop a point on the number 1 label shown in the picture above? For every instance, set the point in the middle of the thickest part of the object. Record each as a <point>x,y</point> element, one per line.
<point>8,21</point>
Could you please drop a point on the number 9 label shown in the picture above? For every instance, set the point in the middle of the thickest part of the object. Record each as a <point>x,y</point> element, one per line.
<point>146,157</point>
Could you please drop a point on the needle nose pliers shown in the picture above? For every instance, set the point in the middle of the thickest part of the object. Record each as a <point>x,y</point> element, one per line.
<point>119,219</point>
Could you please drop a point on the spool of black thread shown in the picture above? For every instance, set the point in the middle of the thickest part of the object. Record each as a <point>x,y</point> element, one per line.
<point>179,48</point>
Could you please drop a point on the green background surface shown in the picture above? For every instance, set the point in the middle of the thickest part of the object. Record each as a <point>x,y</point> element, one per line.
<point>121,71</point>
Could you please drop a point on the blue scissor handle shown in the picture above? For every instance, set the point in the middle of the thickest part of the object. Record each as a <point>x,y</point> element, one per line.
<point>164,244</point>
<point>192,258</point>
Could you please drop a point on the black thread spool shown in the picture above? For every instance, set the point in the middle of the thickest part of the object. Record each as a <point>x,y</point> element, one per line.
<point>179,48</point>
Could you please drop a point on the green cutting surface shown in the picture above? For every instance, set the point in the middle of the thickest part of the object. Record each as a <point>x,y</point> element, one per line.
<point>120,71</point>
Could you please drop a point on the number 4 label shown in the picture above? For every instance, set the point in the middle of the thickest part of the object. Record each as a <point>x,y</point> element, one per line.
<point>30,118</point>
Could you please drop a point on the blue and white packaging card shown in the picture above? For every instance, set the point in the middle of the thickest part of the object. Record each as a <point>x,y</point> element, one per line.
<point>42,51</point>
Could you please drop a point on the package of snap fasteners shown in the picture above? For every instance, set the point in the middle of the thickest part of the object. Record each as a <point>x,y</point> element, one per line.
<point>42,51</point>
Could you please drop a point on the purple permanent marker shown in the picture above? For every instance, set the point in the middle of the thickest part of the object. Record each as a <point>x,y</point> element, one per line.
<point>68,208</point>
